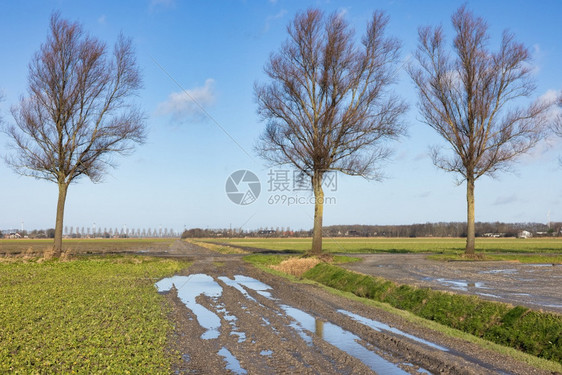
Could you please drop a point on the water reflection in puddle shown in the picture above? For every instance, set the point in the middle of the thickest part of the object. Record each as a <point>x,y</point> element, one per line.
<point>419,370</point>
<point>192,286</point>
<point>552,305</point>
<point>232,363</point>
<point>241,335</point>
<point>340,338</point>
<point>507,271</point>
<point>188,289</point>
<point>378,326</point>
<point>241,281</point>
<point>457,284</point>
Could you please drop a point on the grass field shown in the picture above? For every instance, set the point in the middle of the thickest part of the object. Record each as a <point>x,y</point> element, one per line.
<point>91,315</point>
<point>81,246</point>
<point>404,245</point>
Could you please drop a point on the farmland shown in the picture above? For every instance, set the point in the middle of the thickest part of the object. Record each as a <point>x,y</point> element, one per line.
<point>451,246</point>
<point>84,246</point>
<point>89,315</point>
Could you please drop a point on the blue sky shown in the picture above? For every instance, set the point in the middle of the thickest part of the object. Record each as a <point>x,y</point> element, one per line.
<point>216,51</point>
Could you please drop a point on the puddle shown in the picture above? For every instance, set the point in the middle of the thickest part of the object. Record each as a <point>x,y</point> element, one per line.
<point>241,281</point>
<point>340,338</point>
<point>241,335</point>
<point>420,370</point>
<point>186,357</point>
<point>508,271</point>
<point>554,305</point>
<point>192,286</point>
<point>232,363</point>
<point>541,265</point>
<point>226,315</point>
<point>267,353</point>
<point>457,284</point>
<point>378,326</point>
<point>304,321</point>
<point>188,289</point>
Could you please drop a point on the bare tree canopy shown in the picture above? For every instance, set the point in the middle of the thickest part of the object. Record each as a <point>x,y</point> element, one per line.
<point>558,123</point>
<point>469,96</point>
<point>328,104</point>
<point>77,114</point>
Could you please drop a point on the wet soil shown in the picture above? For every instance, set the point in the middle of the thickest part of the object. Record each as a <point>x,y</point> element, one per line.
<point>537,286</point>
<point>230,317</point>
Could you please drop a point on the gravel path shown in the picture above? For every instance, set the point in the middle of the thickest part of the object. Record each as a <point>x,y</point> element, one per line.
<point>232,318</point>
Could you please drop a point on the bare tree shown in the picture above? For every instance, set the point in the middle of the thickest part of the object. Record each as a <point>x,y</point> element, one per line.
<point>77,114</point>
<point>558,121</point>
<point>469,100</point>
<point>328,105</point>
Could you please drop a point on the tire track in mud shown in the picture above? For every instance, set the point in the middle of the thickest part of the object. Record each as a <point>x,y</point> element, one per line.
<point>536,286</point>
<point>301,329</point>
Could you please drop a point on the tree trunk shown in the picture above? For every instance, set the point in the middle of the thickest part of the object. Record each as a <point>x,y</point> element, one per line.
<point>470,232</point>
<point>318,214</point>
<point>57,248</point>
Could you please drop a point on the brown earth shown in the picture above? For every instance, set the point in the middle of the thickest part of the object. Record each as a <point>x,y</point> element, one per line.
<point>300,329</point>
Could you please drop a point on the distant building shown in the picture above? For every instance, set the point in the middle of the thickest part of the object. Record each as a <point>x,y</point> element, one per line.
<point>525,234</point>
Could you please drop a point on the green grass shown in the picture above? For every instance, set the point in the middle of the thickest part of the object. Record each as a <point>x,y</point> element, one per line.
<point>265,260</point>
<point>94,315</point>
<point>223,249</point>
<point>533,332</point>
<point>403,245</point>
<point>82,246</point>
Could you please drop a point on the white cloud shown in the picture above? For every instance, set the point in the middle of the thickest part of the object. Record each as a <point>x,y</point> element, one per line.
<point>186,105</point>
<point>269,20</point>
<point>550,96</point>
<point>554,115</point>
<point>342,12</point>
<point>162,4</point>
<point>503,200</point>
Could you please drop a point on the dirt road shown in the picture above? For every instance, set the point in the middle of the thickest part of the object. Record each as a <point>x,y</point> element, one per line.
<point>232,318</point>
<point>533,285</point>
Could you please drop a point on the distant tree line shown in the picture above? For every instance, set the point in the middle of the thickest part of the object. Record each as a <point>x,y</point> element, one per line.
<point>442,229</point>
<point>36,233</point>
<point>88,232</point>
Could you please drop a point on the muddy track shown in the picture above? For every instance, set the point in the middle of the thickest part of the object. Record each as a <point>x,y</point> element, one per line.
<point>536,286</point>
<point>242,320</point>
